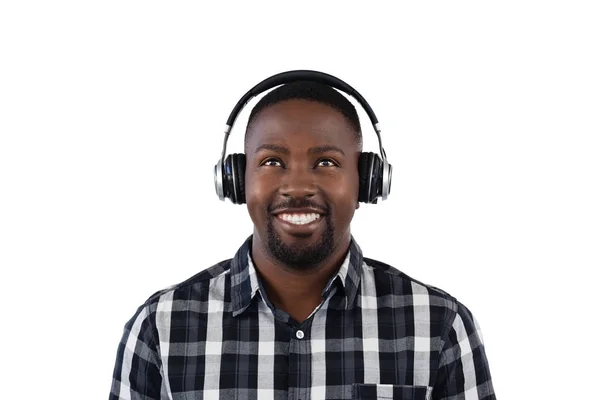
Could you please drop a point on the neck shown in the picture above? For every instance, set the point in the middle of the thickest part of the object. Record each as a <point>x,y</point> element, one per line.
<point>297,292</point>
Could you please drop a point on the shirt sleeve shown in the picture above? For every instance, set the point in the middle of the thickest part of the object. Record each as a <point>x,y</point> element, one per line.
<point>137,371</point>
<point>463,371</point>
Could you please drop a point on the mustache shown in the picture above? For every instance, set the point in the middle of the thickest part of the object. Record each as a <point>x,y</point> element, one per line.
<point>297,203</point>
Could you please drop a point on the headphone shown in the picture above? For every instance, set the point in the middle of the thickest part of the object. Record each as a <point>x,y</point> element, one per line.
<point>375,174</point>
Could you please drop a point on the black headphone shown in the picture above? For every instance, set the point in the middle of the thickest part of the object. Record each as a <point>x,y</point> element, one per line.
<point>375,174</point>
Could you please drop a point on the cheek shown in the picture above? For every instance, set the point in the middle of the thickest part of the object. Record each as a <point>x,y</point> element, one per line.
<point>258,195</point>
<point>344,195</point>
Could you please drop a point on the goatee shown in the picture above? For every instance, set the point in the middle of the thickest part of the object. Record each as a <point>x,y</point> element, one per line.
<point>301,257</point>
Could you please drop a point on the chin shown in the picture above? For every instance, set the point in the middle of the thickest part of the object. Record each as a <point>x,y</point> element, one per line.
<point>300,250</point>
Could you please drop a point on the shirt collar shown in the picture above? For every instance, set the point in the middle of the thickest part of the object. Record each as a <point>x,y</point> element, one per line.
<point>244,280</point>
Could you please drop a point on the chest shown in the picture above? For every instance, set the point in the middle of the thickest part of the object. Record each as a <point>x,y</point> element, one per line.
<point>336,354</point>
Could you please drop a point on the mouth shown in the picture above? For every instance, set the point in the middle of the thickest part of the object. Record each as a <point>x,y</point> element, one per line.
<point>299,222</point>
<point>299,218</point>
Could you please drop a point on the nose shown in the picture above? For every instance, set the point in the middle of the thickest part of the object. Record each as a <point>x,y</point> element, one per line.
<point>298,182</point>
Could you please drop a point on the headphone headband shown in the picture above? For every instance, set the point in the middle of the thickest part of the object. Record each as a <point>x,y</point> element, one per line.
<point>302,75</point>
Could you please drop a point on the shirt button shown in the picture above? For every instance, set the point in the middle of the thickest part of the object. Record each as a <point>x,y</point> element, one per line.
<point>300,334</point>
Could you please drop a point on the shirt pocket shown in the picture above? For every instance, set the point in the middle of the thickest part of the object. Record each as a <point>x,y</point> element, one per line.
<point>372,391</point>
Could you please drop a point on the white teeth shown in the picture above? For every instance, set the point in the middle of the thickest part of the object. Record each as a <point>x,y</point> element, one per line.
<point>300,219</point>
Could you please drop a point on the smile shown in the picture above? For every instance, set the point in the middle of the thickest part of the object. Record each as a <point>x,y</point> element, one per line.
<point>299,219</point>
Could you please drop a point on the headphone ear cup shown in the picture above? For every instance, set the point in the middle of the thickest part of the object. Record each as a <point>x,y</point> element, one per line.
<point>234,170</point>
<point>227,178</point>
<point>364,162</point>
<point>376,178</point>
<point>369,177</point>
<point>240,177</point>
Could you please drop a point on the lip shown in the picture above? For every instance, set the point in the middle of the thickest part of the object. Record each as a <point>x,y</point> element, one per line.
<point>299,211</point>
<point>296,229</point>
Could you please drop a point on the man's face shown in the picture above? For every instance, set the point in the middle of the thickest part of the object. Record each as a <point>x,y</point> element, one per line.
<point>301,181</point>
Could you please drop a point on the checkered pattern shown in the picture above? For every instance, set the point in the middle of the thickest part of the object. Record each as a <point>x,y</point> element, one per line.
<point>378,334</point>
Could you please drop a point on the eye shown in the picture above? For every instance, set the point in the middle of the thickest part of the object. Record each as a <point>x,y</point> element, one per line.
<point>272,162</point>
<point>326,162</point>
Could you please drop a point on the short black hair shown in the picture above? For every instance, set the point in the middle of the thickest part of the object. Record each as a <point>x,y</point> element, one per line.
<point>311,91</point>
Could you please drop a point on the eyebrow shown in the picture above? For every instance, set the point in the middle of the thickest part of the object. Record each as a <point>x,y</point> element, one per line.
<point>325,149</point>
<point>312,150</point>
<point>273,147</point>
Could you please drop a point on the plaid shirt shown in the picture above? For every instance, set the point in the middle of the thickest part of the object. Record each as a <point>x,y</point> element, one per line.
<point>377,334</point>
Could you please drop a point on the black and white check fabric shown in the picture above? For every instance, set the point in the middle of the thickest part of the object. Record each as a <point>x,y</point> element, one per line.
<point>378,334</point>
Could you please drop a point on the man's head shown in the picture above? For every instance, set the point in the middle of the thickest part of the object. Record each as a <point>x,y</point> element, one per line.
<point>302,146</point>
<point>311,91</point>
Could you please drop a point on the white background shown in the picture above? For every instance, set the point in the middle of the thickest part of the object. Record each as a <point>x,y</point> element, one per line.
<point>111,119</point>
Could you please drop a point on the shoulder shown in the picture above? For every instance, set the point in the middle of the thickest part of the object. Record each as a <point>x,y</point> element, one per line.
<point>212,278</point>
<point>401,282</point>
<point>145,323</point>
<point>439,302</point>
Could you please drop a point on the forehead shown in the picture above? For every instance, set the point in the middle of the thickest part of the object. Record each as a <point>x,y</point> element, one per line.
<point>299,123</point>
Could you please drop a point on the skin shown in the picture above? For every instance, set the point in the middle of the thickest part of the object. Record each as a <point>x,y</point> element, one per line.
<point>282,170</point>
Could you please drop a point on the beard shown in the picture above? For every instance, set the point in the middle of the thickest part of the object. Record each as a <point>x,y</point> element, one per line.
<point>301,257</point>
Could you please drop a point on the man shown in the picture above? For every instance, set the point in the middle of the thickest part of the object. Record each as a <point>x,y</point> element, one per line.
<point>299,312</point>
